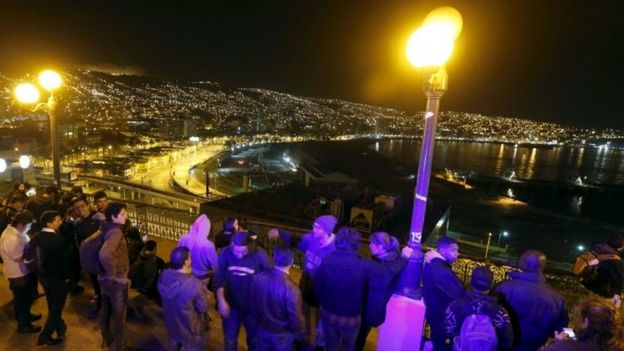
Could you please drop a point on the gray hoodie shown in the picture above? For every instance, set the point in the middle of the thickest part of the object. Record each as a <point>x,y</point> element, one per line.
<point>185,305</point>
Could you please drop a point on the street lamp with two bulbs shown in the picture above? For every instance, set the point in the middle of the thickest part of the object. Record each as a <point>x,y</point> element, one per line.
<point>27,93</point>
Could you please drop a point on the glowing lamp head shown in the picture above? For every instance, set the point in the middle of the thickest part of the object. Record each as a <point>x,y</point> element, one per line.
<point>24,161</point>
<point>431,45</point>
<point>27,93</point>
<point>3,165</point>
<point>50,80</point>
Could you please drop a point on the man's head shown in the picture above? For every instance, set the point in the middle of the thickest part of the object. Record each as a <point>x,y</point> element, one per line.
<point>481,279</point>
<point>81,206</point>
<point>240,244</point>
<point>180,258</point>
<point>77,190</point>
<point>22,221</point>
<point>150,247</point>
<point>532,261</point>
<point>273,234</point>
<point>448,248</point>
<point>283,257</point>
<point>101,200</point>
<point>116,213</point>
<point>49,191</point>
<point>51,220</point>
<point>323,226</point>
<point>18,200</point>
<point>347,239</point>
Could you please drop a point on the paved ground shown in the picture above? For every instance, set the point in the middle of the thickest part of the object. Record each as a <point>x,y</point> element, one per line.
<point>148,333</point>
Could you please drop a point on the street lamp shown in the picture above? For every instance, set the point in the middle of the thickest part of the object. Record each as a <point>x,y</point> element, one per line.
<point>429,47</point>
<point>504,233</point>
<point>487,246</point>
<point>28,93</point>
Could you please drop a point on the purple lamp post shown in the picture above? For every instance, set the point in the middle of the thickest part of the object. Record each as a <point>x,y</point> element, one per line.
<point>427,49</point>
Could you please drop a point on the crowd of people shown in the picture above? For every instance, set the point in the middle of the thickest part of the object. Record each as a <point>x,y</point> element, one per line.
<point>53,239</point>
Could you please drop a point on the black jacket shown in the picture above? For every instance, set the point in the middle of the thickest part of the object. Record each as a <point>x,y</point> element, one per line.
<point>610,280</point>
<point>276,302</point>
<point>185,305</point>
<point>381,285</point>
<point>54,261</point>
<point>536,308</point>
<point>340,282</point>
<point>440,287</point>
<point>479,303</point>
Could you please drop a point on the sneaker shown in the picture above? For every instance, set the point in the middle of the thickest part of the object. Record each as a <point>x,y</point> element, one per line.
<point>49,341</point>
<point>35,317</point>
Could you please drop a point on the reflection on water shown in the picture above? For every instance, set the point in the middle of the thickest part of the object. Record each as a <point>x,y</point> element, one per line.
<point>600,166</point>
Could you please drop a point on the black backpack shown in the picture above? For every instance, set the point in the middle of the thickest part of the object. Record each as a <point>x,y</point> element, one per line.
<point>90,253</point>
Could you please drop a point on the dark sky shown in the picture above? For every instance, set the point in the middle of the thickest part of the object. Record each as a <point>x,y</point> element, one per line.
<point>550,60</point>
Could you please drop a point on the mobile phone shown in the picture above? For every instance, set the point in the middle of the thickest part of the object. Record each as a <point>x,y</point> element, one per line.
<point>570,332</point>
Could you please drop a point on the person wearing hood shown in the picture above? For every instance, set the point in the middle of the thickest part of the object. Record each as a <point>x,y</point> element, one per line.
<point>388,263</point>
<point>114,279</point>
<point>203,251</point>
<point>535,307</point>
<point>185,303</point>
<point>441,287</point>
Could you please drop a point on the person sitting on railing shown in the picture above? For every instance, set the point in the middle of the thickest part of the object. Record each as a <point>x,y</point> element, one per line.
<point>203,252</point>
<point>534,306</point>
<point>597,329</point>
<point>609,283</point>
<point>441,287</point>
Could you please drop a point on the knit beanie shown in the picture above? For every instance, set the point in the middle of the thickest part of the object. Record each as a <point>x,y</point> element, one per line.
<point>327,222</point>
<point>481,278</point>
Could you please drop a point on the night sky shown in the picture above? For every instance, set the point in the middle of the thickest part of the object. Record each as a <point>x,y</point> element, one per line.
<point>560,61</point>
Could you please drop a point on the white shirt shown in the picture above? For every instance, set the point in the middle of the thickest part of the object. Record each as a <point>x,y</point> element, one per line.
<point>12,245</point>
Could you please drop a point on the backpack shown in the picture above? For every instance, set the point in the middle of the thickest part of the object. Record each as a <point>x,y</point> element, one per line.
<point>477,334</point>
<point>586,266</point>
<point>33,257</point>
<point>90,253</point>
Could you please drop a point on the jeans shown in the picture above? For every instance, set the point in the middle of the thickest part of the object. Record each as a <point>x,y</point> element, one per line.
<point>96,290</point>
<point>268,341</point>
<point>360,341</point>
<point>23,289</point>
<point>113,313</point>
<point>56,294</point>
<point>340,332</point>
<point>231,328</point>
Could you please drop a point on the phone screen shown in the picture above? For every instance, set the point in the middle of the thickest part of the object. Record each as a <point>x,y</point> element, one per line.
<point>570,333</point>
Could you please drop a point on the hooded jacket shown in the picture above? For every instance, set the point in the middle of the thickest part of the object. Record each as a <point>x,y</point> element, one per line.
<point>203,252</point>
<point>535,307</point>
<point>185,305</point>
<point>440,287</point>
<point>381,285</point>
<point>114,254</point>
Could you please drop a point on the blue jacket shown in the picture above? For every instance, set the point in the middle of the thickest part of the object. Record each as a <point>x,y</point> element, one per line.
<point>536,308</point>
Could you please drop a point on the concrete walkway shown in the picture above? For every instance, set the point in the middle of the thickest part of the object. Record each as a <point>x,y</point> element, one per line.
<point>148,333</point>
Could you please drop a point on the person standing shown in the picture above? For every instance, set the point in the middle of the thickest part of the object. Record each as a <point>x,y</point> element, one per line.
<point>480,302</point>
<point>53,273</point>
<point>388,263</point>
<point>224,237</point>
<point>238,264</point>
<point>440,287</point>
<point>534,306</point>
<point>276,304</point>
<point>341,282</point>
<point>203,251</point>
<point>185,303</point>
<point>114,279</point>
<point>315,246</point>
<point>22,282</point>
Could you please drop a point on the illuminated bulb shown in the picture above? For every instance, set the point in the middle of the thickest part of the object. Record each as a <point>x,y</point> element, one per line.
<point>50,80</point>
<point>3,165</point>
<point>24,161</point>
<point>27,93</point>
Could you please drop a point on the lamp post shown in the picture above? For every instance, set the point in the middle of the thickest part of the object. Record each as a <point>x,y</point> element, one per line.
<point>504,233</point>
<point>429,47</point>
<point>28,93</point>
